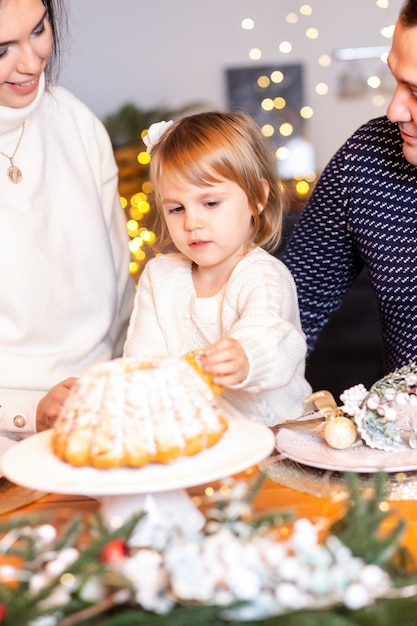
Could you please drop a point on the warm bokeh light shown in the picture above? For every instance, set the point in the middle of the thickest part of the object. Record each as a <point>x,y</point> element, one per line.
<point>280,103</point>
<point>134,267</point>
<point>135,244</point>
<point>263,82</point>
<point>322,89</point>
<point>282,153</point>
<point>255,54</point>
<point>302,187</point>
<point>144,158</point>
<point>379,101</point>
<point>277,77</point>
<point>388,31</point>
<point>374,82</point>
<point>133,227</point>
<point>325,60</point>
<point>248,24</point>
<point>147,188</point>
<point>136,198</point>
<point>268,130</point>
<point>140,255</point>
<point>148,236</point>
<point>283,121</point>
<point>291,18</point>
<point>286,129</point>
<point>312,33</point>
<point>306,9</point>
<point>267,104</point>
<point>285,47</point>
<point>144,207</point>
<point>306,112</point>
<point>135,214</point>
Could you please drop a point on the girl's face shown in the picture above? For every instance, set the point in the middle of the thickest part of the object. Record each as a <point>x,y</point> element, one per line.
<point>25,45</point>
<point>210,224</point>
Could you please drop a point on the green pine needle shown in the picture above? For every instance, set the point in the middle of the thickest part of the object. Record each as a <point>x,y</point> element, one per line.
<point>361,527</point>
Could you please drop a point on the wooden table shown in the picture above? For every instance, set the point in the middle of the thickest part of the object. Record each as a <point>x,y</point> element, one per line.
<point>271,496</point>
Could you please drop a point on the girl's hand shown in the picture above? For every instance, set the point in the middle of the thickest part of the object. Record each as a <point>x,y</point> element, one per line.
<point>226,360</point>
<point>50,405</point>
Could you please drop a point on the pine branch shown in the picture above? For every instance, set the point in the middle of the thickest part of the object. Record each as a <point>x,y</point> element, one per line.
<point>360,528</point>
<point>115,599</point>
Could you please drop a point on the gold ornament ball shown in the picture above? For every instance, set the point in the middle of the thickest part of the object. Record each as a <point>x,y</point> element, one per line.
<point>340,432</point>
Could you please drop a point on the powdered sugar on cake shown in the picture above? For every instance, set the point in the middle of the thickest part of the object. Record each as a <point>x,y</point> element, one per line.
<point>135,411</point>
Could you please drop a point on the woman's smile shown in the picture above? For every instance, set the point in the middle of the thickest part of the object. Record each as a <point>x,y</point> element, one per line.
<point>24,87</point>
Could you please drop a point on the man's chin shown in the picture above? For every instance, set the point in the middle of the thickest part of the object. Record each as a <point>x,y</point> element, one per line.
<point>410,153</point>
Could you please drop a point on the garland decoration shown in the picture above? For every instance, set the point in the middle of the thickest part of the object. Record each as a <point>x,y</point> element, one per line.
<point>384,415</point>
<point>240,569</point>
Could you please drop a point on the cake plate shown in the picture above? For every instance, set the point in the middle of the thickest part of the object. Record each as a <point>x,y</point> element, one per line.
<point>158,490</point>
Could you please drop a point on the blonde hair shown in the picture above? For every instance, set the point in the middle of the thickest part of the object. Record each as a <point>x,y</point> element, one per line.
<point>200,148</point>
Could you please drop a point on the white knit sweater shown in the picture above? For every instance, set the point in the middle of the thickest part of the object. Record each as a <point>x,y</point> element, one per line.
<point>258,306</point>
<point>65,289</point>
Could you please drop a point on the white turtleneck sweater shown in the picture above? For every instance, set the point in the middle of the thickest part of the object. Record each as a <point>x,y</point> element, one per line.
<point>65,289</point>
<point>257,306</point>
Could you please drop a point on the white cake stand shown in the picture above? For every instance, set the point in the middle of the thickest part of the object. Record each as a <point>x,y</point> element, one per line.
<point>158,490</point>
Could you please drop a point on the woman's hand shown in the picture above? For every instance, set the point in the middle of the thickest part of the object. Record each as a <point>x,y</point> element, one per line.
<point>226,361</point>
<point>50,405</point>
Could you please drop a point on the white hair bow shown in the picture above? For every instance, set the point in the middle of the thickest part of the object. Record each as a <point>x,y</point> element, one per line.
<point>154,134</point>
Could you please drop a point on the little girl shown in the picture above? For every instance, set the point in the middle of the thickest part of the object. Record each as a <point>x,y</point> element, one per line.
<point>218,201</point>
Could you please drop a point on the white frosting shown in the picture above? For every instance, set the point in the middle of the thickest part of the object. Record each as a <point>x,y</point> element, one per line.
<point>132,408</point>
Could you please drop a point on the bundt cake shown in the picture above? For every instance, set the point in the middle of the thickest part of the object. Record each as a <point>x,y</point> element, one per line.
<point>135,411</point>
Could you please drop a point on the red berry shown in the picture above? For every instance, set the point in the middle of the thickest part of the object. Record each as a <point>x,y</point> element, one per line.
<point>114,551</point>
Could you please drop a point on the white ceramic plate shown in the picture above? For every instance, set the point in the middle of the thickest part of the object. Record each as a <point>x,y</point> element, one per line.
<point>310,448</point>
<point>33,464</point>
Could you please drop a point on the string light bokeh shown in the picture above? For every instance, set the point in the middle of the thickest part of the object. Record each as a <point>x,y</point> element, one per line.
<point>336,70</point>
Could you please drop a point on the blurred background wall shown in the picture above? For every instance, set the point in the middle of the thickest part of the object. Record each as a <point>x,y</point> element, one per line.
<point>171,52</point>
<point>168,53</point>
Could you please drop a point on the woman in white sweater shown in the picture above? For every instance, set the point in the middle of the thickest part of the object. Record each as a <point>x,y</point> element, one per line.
<point>65,289</point>
<point>218,201</point>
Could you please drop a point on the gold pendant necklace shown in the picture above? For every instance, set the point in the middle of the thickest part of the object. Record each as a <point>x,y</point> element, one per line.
<point>14,173</point>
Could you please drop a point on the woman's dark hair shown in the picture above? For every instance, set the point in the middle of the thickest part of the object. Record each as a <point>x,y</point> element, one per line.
<point>408,13</point>
<point>57,17</point>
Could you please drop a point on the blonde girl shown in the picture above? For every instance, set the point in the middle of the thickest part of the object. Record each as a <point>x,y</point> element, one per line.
<point>218,203</point>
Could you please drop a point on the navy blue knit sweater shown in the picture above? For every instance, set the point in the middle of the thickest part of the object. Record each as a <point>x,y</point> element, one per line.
<point>362,212</point>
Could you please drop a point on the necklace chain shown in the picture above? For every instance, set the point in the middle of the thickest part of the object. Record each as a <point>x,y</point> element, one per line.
<point>13,172</point>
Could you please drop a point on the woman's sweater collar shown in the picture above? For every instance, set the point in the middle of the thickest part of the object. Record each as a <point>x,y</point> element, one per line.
<point>11,118</point>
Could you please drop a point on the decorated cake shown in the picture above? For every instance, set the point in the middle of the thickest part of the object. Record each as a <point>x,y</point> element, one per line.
<point>383,417</point>
<point>135,411</point>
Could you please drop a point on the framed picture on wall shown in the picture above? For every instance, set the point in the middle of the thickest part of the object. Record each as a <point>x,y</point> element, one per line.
<point>273,96</point>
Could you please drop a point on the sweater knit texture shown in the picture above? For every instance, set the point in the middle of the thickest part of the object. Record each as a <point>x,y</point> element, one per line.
<point>257,306</point>
<point>363,212</point>
<point>65,288</point>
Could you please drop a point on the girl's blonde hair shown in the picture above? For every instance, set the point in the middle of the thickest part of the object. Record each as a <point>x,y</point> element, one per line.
<point>200,148</point>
